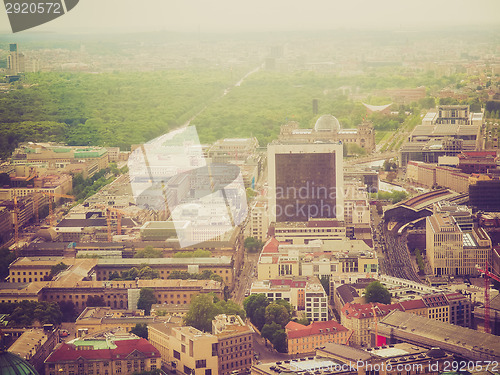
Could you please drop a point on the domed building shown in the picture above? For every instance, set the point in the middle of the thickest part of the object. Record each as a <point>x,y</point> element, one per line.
<point>12,364</point>
<point>328,129</point>
<point>327,123</point>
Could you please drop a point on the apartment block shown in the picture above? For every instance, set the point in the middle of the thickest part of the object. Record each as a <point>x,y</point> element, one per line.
<point>235,338</point>
<point>451,250</point>
<point>194,352</point>
<point>305,339</point>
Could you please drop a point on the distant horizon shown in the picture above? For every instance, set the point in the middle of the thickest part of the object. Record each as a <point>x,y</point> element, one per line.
<point>260,16</point>
<point>482,28</point>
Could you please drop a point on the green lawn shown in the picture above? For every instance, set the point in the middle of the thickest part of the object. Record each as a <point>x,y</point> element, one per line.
<point>382,135</point>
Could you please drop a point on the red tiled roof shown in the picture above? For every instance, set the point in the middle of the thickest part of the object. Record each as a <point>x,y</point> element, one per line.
<point>413,304</point>
<point>272,244</point>
<point>361,311</point>
<point>68,352</point>
<point>295,330</point>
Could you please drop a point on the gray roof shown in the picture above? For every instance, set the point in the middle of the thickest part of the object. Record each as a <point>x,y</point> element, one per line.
<point>347,293</point>
<point>473,345</point>
<point>347,353</point>
<point>100,222</point>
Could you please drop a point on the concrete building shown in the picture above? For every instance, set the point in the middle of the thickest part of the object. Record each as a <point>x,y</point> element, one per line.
<point>328,129</point>
<point>228,349</point>
<point>483,194</point>
<point>34,345</point>
<point>452,308</point>
<point>15,60</point>
<point>356,206</point>
<point>461,342</point>
<point>6,229</point>
<point>305,339</point>
<point>302,232</point>
<point>258,220</point>
<point>477,161</point>
<point>61,156</point>
<point>231,149</point>
<point>194,352</point>
<point>337,359</point>
<point>94,320</point>
<point>451,250</point>
<point>452,114</point>
<point>305,181</point>
<point>445,131</point>
<point>318,258</point>
<point>92,357</point>
<point>235,343</point>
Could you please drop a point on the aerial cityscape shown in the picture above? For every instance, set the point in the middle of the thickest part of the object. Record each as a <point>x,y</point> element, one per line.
<point>291,194</point>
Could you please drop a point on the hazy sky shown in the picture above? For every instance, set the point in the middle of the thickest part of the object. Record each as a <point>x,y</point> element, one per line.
<point>265,15</point>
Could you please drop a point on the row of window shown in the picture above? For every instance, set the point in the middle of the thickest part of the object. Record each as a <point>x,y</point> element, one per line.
<point>29,273</point>
<point>236,355</point>
<point>232,365</point>
<point>236,341</point>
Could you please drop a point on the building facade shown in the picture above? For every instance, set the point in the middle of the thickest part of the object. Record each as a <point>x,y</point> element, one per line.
<point>305,181</point>
<point>305,339</point>
<point>103,357</point>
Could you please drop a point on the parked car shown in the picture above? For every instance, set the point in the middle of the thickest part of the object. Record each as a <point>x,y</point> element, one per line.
<point>63,333</point>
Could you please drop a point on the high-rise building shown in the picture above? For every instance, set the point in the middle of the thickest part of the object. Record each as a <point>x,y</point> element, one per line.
<point>15,60</point>
<point>305,181</point>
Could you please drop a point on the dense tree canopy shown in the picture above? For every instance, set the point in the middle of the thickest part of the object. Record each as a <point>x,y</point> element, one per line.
<point>140,330</point>
<point>255,307</point>
<point>253,245</point>
<point>376,292</point>
<point>25,313</point>
<point>276,313</point>
<point>146,300</point>
<point>204,308</point>
<point>148,252</point>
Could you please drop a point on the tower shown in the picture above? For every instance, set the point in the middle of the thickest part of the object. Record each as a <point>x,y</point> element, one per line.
<point>15,60</point>
<point>305,181</point>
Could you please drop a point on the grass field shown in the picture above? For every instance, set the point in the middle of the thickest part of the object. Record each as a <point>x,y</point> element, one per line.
<point>382,135</point>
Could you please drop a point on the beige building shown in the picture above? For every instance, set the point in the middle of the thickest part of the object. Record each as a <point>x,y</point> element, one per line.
<point>318,258</point>
<point>227,350</point>
<point>305,339</point>
<point>194,352</point>
<point>99,319</point>
<point>258,220</point>
<point>235,348</point>
<point>356,207</point>
<point>302,232</point>
<point>61,156</point>
<point>232,149</point>
<point>32,269</point>
<point>222,266</point>
<point>453,251</point>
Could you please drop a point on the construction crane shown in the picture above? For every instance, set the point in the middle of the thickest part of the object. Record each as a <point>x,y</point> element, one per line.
<point>16,221</point>
<point>487,274</point>
<point>375,322</point>
<point>118,214</point>
<point>51,197</point>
